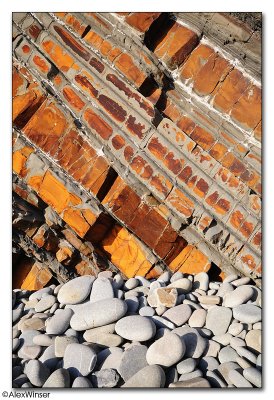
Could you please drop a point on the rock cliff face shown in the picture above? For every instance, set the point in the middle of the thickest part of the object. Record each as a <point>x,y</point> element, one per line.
<point>136,145</point>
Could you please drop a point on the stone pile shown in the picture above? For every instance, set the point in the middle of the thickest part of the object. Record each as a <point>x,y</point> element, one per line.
<point>175,331</point>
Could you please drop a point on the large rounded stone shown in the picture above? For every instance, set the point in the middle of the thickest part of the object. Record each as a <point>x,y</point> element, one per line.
<point>132,361</point>
<point>179,315</point>
<point>186,366</point>
<point>151,376</point>
<point>247,313</point>
<point>59,323</point>
<point>103,312</point>
<point>238,380</point>
<point>166,351</point>
<point>76,290</point>
<point>58,379</point>
<point>239,296</point>
<point>61,343</point>
<point>101,289</point>
<point>79,359</point>
<point>254,376</point>
<point>136,327</point>
<point>218,319</point>
<point>48,358</point>
<point>37,372</point>
<point>103,339</point>
<point>195,344</point>
<point>109,358</point>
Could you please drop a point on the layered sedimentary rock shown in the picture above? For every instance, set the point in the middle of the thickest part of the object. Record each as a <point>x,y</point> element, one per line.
<point>136,145</point>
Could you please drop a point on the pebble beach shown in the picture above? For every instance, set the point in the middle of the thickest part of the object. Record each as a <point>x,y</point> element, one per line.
<point>177,331</point>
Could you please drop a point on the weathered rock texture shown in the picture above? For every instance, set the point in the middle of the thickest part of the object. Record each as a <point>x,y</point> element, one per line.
<point>136,145</point>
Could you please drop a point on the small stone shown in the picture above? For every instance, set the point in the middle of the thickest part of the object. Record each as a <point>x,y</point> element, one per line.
<point>259,361</point>
<point>81,382</point>
<point>136,327</point>
<point>71,332</point>
<point>253,340</point>
<point>227,354</point>
<point>150,376</point>
<point>100,330</point>
<point>191,375</point>
<point>218,319</point>
<point>194,342</point>
<point>54,308</point>
<point>248,355</point>
<point>253,376</point>
<point>198,318</point>
<point>155,285</point>
<point>26,338</point>
<point>208,364</point>
<point>146,311</point>
<point>247,313</point>
<point>238,380</point>
<point>131,283</point>
<point>103,339</point>
<point>106,378</point>
<point>201,281</point>
<point>182,285</point>
<point>31,323</point>
<point>39,293</point>
<point>30,304</point>
<point>210,300</point>
<point>19,381</point>
<point>166,351</point>
<point>31,352</point>
<point>192,304</point>
<point>43,340</point>
<point>101,290</point>
<point>79,360</point>
<point>237,342</point>
<point>59,323</point>
<point>45,303</point>
<point>109,358</point>
<point>186,366</point>
<point>191,383</point>
<point>239,296</point>
<point>179,315</point>
<point>103,312</point>
<point>76,290</point>
<point>61,342</point>
<point>37,372</point>
<point>235,328</point>
<point>58,379</point>
<point>132,361</point>
<point>166,297</point>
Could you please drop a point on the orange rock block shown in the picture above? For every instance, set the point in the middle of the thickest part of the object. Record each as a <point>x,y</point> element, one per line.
<point>195,62</point>
<point>54,193</point>
<point>125,252</point>
<point>174,47</point>
<point>190,261</point>
<point>248,110</point>
<point>37,278</point>
<point>142,20</point>
<point>46,126</point>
